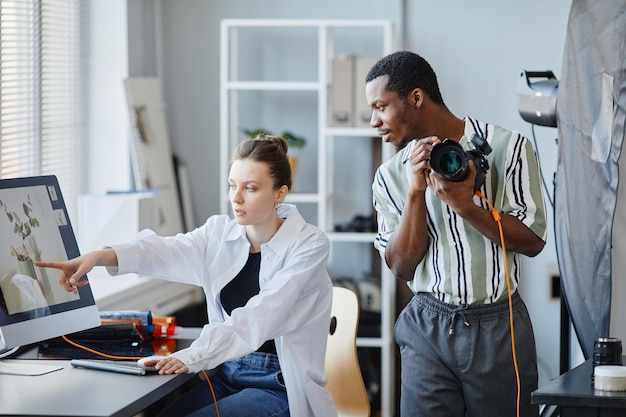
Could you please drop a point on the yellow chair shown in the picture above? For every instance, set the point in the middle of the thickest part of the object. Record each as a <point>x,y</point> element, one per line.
<point>345,381</point>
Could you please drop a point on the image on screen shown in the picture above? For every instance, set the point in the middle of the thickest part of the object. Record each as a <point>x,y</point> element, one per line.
<point>34,226</point>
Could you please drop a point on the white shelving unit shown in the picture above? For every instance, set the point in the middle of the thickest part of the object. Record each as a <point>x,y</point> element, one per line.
<point>275,75</point>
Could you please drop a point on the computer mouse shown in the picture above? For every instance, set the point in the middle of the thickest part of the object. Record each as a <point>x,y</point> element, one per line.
<point>150,360</point>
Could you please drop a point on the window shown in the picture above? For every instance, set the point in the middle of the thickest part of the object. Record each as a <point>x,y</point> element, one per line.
<point>40,91</point>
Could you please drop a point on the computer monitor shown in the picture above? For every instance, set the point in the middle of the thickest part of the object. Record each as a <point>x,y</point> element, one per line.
<point>34,226</point>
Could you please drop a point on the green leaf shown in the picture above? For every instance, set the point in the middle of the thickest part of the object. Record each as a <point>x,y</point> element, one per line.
<point>256,132</point>
<point>293,140</point>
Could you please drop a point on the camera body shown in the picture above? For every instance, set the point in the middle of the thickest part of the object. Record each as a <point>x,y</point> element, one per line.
<point>450,160</point>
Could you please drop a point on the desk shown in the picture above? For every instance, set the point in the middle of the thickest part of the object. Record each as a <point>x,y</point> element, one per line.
<point>89,393</point>
<point>574,393</point>
<point>85,392</point>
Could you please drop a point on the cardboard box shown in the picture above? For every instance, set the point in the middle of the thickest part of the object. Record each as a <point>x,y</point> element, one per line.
<point>362,111</point>
<point>341,95</point>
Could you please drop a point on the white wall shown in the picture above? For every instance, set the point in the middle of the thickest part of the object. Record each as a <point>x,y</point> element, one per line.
<point>477,48</point>
<point>108,128</point>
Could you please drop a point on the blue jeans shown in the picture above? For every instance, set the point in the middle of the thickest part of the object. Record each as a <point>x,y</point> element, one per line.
<point>457,360</point>
<point>251,386</point>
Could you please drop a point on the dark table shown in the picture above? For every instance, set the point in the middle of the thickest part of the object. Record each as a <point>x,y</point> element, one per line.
<point>574,393</point>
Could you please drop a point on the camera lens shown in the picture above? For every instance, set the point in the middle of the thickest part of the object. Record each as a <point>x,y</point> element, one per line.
<point>449,160</point>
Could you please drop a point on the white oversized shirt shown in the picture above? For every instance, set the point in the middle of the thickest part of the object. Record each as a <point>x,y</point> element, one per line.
<point>292,307</point>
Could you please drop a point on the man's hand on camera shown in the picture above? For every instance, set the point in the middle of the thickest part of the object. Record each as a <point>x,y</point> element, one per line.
<point>458,195</point>
<point>419,160</point>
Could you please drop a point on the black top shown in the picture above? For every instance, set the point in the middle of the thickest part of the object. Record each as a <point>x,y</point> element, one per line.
<point>243,287</point>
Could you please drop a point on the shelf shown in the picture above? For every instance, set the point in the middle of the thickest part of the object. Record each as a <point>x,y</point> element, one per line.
<point>364,132</point>
<point>351,237</point>
<point>303,198</point>
<point>297,198</point>
<point>371,342</point>
<point>300,23</point>
<point>252,52</point>
<point>272,85</point>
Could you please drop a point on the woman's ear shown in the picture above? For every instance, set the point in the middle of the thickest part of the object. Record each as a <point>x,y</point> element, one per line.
<point>282,194</point>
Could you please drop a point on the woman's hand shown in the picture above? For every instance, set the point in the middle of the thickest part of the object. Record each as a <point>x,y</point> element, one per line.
<point>74,269</point>
<point>166,365</point>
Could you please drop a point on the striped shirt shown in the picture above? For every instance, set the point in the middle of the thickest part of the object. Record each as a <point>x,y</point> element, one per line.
<point>461,266</point>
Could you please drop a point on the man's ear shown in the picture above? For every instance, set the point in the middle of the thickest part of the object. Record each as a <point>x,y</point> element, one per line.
<point>417,95</point>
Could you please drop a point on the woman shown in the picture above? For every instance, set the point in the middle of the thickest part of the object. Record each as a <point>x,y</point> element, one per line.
<point>267,291</point>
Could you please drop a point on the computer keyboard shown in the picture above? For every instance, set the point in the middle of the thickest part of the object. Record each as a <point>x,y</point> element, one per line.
<point>126,367</point>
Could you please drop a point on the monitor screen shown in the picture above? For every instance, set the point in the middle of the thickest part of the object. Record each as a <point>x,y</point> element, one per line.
<point>35,226</point>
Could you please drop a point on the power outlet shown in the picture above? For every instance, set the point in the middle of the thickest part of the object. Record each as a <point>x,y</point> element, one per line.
<point>555,286</point>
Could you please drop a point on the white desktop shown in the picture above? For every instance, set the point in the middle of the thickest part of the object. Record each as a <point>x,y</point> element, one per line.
<point>34,226</point>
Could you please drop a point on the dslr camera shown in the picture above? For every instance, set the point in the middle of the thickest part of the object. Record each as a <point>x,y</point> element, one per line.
<point>450,160</point>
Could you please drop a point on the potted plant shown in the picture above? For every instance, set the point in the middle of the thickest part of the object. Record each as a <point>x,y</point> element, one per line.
<point>294,141</point>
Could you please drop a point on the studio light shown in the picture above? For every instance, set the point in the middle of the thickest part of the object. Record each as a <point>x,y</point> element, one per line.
<point>536,100</point>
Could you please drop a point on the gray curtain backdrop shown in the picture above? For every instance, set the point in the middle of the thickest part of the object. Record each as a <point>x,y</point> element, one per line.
<point>591,111</point>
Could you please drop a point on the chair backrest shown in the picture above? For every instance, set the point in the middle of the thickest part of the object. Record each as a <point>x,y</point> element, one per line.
<point>345,381</point>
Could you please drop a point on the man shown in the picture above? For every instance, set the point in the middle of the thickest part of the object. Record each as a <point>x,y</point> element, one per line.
<point>443,239</point>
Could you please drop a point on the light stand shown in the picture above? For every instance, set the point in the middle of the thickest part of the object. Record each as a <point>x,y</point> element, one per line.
<point>537,105</point>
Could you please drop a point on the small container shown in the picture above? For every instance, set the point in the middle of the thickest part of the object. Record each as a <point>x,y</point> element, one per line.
<point>147,328</point>
<point>606,351</point>
<point>610,378</point>
<point>164,326</point>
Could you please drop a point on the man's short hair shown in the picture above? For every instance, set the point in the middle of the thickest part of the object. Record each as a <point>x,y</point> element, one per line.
<point>407,71</point>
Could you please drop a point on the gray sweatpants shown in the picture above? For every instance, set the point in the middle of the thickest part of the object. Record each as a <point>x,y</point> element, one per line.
<point>457,360</point>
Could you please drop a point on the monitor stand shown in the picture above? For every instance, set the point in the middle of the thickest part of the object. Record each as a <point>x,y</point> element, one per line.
<point>20,367</point>
<point>7,353</point>
<point>15,366</point>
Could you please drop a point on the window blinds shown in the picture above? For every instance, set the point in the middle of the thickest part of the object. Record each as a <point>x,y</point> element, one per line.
<point>40,84</point>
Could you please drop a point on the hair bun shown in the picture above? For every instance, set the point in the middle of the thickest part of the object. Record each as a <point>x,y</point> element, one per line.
<point>278,141</point>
